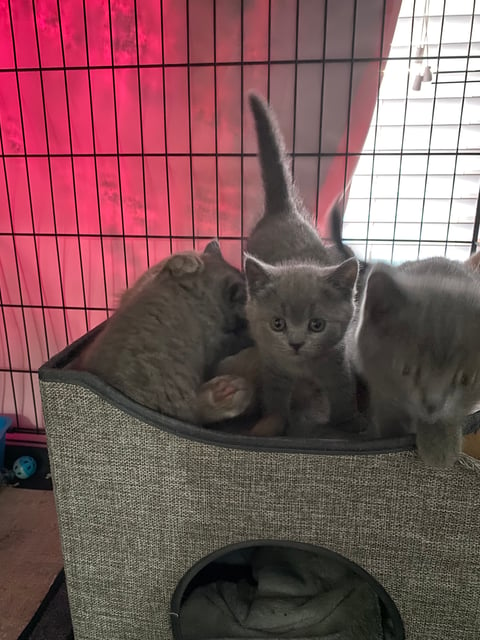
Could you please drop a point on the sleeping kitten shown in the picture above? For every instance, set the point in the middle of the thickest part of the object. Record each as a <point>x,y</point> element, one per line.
<point>299,303</point>
<point>416,342</point>
<point>168,334</point>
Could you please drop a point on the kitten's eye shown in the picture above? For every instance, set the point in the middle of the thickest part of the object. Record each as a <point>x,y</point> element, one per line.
<point>316,324</point>
<point>278,324</point>
<point>406,370</point>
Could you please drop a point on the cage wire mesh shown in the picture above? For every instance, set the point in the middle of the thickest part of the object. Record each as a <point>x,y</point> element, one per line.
<point>124,136</point>
<point>415,190</point>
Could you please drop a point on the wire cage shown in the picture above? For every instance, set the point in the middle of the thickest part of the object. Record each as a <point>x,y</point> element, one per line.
<point>124,136</point>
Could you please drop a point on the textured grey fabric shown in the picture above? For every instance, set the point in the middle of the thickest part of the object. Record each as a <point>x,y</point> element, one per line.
<point>138,506</point>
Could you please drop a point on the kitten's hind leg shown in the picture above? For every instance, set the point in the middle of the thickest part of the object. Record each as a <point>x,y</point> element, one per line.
<point>439,445</point>
<point>389,420</point>
<point>268,427</point>
<point>224,397</point>
<point>309,410</point>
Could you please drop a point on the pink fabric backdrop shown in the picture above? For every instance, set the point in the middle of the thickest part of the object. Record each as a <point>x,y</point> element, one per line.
<point>119,146</point>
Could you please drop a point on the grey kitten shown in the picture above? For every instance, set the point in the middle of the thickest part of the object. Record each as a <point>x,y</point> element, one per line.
<point>416,343</point>
<point>286,230</point>
<point>298,315</point>
<point>168,334</point>
<point>292,282</point>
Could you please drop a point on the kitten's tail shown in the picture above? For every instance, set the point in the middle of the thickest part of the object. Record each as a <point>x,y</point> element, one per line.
<point>335,228</point>
<point>277,180</point>
<point>335,224</point>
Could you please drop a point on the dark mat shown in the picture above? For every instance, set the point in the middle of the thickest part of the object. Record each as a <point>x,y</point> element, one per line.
<point>52,619</point>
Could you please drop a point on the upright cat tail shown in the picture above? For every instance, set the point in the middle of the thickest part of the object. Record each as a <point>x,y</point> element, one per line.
<point>335,228</point>
<point>277,180</point>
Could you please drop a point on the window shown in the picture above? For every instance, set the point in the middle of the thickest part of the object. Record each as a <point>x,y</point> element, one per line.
<point>415,190</point>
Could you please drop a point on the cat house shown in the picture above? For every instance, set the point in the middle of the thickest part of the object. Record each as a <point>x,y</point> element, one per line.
<point>146,502</point>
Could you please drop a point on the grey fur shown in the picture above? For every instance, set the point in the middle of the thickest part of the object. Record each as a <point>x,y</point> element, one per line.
<point>302,283</point>
<point>169,333</point>
<point>416,342</point>
<point>335,226</point>
<point>285,231</point>
<point>297,294</point>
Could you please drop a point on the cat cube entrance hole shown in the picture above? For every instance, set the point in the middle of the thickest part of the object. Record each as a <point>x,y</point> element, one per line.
<point>283,567</point>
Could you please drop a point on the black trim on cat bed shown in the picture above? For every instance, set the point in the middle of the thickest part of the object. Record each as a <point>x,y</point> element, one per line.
<point>54,371</point>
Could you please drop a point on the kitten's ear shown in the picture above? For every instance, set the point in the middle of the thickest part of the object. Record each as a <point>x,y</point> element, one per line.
<point>213,248</point>
<point>236,291</point>
<point>384,296</point>
<point>474,262</point>
<point>257,273</point>
<point>345,275</point>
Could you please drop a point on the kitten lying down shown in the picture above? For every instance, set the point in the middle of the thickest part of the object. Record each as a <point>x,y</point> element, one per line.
<point>169,332</point>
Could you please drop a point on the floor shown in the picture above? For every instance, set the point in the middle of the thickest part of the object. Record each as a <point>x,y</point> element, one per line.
<point>30,555</point>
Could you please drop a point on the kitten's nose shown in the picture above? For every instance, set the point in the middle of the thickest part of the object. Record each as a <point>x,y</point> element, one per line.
<point>433,405</point>
<point>296,346</point>
<point>430,407</point>
<point>433,401</point>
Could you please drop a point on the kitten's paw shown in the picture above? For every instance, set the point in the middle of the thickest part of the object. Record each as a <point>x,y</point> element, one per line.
<point>439,445</point>
<point>319,409</point>
<point>439,458</point>
<point>182,264</point>
<point>268,427</point>
<point>225,397</point>
<point>309,406</point>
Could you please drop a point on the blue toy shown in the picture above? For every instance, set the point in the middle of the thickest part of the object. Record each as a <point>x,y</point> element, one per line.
<point>24,467</point>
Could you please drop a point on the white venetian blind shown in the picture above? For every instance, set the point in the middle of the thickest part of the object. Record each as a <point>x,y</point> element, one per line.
<point>415,190</point>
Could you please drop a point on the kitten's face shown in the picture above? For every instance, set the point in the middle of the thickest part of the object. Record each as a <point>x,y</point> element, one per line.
<point>297,313</point>
<point>421,348</point>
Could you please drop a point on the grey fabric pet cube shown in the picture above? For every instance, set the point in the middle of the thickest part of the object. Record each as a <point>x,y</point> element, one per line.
<point>142,498</point>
